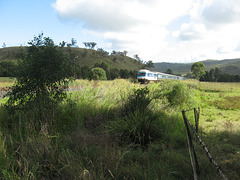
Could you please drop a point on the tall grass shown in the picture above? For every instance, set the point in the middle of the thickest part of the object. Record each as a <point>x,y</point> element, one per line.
<point>93,137</point>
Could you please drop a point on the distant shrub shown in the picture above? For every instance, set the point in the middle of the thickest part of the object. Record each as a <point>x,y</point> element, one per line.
<point>97,73</point>
<point>177,94</point>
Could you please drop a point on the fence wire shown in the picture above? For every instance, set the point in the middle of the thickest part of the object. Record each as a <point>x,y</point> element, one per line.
<point>219,170</point>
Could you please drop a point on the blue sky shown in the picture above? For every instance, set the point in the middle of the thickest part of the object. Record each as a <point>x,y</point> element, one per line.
<point>157,30</point>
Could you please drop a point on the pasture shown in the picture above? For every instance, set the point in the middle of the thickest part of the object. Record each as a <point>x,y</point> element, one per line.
<point>123,130</point>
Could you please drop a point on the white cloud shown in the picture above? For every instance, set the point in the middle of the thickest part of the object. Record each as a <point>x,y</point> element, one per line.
<point>141,27</point>
<point>137,26</point>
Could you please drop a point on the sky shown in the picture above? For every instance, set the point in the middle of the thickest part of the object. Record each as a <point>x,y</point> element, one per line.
<point>177,31</point>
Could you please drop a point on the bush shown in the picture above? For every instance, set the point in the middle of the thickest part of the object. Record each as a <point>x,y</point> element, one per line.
<point>138,128</point>
<point>138,100</point>
<point>97,73</point>
<point>43,75</point>
<point>177,94</point>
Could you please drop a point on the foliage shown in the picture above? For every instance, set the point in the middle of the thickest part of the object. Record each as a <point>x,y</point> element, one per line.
<point>178,94</point>
<point>198,69</point>
<point>7,69</point>
<point>138,100</point>
<point>72,149</point>
<point>124,73</point>
<point>148,65</point>
<point>97,73</point>
<point>215,75</point>
<point>169,71</point>
<point>90,45</point>
<point>138,128</point>
<point>42,76</point>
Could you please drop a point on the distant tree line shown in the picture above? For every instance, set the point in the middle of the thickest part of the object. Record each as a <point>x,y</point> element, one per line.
<point>7,69</point>
<point>215,75</point>
<point>84,72</point>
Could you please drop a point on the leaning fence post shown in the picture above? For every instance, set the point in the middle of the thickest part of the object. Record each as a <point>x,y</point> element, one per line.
<point>192,152</point>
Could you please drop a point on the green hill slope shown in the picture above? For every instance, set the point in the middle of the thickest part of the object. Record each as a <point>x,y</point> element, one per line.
<point>228,66</point>
<point>85,57</point>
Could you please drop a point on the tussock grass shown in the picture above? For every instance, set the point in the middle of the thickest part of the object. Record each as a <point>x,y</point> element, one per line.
<point>93,136</point>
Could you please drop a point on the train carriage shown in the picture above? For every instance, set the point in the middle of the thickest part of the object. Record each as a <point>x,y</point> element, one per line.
<point>145,76</point>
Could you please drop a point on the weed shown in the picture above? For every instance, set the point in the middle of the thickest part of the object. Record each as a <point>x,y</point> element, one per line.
<point>137,128</point>
<point>228,103</point>
<point>138,100</point>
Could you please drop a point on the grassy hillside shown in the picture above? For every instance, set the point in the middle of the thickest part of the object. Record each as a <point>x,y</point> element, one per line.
<point>85,57</point>
<point>228,66</point>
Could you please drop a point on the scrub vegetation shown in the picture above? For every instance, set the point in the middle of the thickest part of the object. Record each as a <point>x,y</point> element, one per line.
<point>122,130</point>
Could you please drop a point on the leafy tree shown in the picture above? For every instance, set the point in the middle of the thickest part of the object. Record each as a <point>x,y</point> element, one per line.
<point>133,74</point>
<point>7,69</point>
<point>169,71</point>
<point>84,72</point>
<point>113,73</point>
<point>97,73</point>
<point>149,64</point>
<point>90,45</point>
<point>72,44</point>
<point>124,73</point>
<point>217,73</point>
<point>211,74</point>
<point>102,52</point>
<point>113,52</point>
<point>43,75</point>
<point>138,58</point>
<point>198,69</point>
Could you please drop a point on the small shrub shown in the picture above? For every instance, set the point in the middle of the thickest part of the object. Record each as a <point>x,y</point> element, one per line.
<point>138,100</point>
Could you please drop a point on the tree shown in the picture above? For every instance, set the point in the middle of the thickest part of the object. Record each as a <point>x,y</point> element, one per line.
<point>7,69</point>
<point>169,71</point>
<point>198,69</point>
<point>113,73</point>
<point>138,58</point>
<point>149,64</point>
<point>124,73</point>
<point>90,45</point>
<point>97,73</point>
<point>4,45</point>
<point>43,75</point>
<point>73,43</point>
<point>217,73</point>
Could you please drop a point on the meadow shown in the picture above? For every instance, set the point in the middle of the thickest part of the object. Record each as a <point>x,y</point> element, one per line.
<point>123,130</point>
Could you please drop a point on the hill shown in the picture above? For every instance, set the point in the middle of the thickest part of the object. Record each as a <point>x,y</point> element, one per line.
<point>85,57</point>
<point>228,66</point>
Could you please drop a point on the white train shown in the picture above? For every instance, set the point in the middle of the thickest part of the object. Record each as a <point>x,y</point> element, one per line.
<point>145,76</point>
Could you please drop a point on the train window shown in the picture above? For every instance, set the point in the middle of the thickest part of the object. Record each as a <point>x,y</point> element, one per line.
<point>141,74</point>
<point>150,74</point>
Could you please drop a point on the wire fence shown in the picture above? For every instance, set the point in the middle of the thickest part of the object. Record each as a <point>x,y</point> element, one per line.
<point>192,152</point>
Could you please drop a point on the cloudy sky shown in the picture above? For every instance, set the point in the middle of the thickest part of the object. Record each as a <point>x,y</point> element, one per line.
<point>157,30</point>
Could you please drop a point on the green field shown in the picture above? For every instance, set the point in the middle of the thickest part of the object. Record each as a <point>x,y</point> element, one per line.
<point>122,130</point>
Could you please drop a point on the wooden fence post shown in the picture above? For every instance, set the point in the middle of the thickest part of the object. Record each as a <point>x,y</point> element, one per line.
<point>192,152</point>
